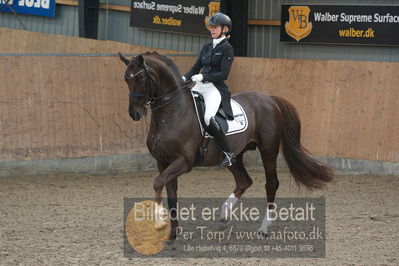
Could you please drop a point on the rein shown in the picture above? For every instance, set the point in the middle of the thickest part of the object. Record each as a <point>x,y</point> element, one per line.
<point>165,97</point>
<point>150,99</point>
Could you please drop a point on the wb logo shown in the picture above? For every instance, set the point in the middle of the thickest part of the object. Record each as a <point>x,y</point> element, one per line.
<point>298,16</point>
<point>298,26</point>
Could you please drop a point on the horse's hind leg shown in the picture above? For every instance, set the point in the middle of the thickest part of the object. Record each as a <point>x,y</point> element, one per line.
<point>269,160</point>
<point>243,182</point>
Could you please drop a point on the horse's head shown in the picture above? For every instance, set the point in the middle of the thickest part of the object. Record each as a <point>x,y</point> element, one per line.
<point>152,84</point>
<point>140,82</point>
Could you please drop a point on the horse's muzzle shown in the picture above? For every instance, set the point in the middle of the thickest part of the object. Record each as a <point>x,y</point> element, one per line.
<point>135,116</point>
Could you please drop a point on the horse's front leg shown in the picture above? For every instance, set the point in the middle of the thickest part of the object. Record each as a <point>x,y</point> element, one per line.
<point>168,175</point>
<point>171,189</point>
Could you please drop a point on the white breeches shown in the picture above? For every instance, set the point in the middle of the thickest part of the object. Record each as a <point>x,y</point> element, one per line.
<point>212,99</point>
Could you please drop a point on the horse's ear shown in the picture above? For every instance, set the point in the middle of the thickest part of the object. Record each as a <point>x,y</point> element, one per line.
<point>124,59</point>
<point>140,60</point>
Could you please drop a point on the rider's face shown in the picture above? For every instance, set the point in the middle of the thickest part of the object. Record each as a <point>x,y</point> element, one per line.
<point>215,31</point>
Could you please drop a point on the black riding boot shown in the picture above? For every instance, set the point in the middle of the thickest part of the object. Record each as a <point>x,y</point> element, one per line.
<point>220,137</point>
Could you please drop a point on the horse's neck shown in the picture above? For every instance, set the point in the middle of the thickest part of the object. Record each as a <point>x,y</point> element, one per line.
<point>173,113</point>
<point>167,114</point>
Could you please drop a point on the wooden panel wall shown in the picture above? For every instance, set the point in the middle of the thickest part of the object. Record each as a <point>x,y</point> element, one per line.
<point>62,107</point>
<point>348,108</point>
<point>19,41</point>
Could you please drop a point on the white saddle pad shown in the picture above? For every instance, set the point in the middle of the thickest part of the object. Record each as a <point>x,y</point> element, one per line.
<point>240,122</point>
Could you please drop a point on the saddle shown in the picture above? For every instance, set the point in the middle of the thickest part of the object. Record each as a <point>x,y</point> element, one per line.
<point>229,127</point>
<point>220,116</point>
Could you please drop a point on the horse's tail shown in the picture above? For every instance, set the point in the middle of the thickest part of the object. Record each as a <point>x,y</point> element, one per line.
<point>306,170</point>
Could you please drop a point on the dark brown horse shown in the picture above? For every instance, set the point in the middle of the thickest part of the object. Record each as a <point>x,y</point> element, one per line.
<point>174,137</point>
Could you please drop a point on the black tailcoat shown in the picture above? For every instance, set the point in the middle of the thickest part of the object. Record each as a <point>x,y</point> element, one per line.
<point>216,64</point>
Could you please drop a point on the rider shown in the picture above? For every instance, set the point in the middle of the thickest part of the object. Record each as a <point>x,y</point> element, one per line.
<point>215,60</point>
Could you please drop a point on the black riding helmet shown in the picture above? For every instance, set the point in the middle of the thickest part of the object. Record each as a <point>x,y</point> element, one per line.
<point>220,19</point>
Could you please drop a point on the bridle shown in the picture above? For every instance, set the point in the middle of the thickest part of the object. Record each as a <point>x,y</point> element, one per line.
<point>150,99</point>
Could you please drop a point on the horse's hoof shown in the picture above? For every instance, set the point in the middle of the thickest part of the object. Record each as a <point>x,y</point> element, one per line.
<point>171,239</point>
<point>160,225</point>
<point>262,235</point>
<point>170,245</point>
<point>170,242</point>
<point>223,224</point>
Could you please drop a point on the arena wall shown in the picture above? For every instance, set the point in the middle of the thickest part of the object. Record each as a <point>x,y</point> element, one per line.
<point>348,108</point>
<point>66,107</point>
<point>19,41</point>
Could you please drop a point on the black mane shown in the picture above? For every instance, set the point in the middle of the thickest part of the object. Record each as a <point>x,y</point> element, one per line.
<point>169,62</point>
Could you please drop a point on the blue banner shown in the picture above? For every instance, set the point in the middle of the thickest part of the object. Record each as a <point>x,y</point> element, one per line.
<point>45,8</point>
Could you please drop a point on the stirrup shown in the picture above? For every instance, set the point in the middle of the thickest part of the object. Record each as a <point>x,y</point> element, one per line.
<point>228,159</point>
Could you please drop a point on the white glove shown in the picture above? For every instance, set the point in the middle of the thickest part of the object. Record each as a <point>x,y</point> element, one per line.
<point>183,78</point>
<point>197,78</point>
